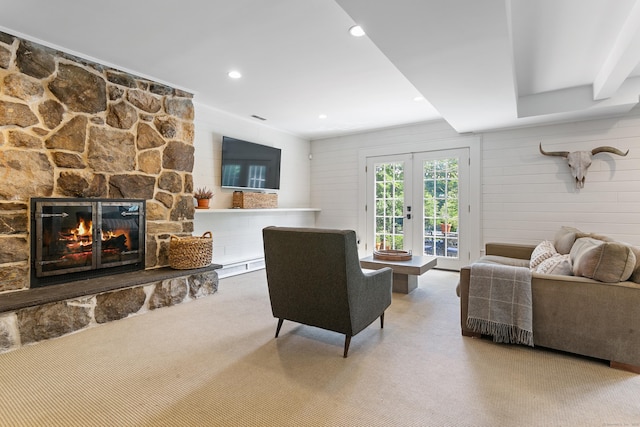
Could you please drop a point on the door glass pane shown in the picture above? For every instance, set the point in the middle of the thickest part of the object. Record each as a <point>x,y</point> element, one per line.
<point>440,204</point>
<point>389,203</point>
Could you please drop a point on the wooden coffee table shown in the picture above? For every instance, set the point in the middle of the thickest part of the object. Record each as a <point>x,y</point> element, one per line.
<point>405,273</point>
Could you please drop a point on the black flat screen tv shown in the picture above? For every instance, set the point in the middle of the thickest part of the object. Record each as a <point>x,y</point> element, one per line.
<point>250,166</point>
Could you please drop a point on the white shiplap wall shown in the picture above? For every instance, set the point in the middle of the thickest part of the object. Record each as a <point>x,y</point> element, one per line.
<point>524,196</point>
<point>528,196</point>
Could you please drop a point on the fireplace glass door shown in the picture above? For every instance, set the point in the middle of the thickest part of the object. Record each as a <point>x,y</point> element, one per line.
<point>74,236</point>
<point>66,241</point>
<point>119,234</point>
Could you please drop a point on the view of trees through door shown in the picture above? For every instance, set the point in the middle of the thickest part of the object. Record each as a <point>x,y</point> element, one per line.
<point>389,203</point>
<point>417,199</point>
<point>440,196</point>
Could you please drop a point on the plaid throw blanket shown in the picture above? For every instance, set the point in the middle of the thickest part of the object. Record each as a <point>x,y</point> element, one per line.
<point>500,303</point>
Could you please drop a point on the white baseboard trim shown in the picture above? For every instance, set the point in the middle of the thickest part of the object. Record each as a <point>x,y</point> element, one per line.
<point>240,267</point>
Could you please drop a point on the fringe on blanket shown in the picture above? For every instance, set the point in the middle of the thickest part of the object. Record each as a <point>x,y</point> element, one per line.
<point>501,332</point>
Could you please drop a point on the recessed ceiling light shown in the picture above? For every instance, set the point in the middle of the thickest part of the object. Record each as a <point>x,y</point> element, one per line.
<point>322,116</point>
<point>234,74</point>
<point>419,98</point>
<point>356,31</point>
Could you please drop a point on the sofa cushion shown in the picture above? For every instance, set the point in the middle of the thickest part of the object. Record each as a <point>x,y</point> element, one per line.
<point>543,251</point>
<point>604,261</point>
<point>557,264</point>
<point>564,239</point>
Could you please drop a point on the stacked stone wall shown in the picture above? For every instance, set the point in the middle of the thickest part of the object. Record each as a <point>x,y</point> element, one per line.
<point>73,128</point>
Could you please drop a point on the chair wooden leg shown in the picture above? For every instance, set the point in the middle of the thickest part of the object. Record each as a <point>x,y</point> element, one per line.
<point>382,320</point>
<point>279,326</point>
<point>347,341</point>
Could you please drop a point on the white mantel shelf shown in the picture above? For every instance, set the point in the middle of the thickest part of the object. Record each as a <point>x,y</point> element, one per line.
<point>235,210</point>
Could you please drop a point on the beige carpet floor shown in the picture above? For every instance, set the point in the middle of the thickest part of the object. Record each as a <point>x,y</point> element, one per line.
<point>214,362</point>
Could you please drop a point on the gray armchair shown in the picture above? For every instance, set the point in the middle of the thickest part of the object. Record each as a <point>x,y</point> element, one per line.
<point>314,278</point>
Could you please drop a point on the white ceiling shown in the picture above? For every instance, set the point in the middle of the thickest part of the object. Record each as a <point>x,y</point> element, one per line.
<point>480,64</point>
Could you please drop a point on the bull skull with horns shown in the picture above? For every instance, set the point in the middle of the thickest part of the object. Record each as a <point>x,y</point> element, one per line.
<point>579,161</point>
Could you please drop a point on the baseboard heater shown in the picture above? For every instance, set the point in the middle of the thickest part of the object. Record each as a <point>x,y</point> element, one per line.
<point>240,267</point>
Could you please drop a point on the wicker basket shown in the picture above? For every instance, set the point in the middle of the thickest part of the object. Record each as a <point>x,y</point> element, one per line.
<point>190,252</point>
<point>254,200</point>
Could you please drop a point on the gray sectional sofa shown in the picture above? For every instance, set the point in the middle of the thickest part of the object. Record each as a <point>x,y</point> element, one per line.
<point>589,304</point>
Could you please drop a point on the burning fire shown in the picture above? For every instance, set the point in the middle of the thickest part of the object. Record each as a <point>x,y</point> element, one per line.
<point>82,237</point>
<point>85,229</point>
<point>108,235</point>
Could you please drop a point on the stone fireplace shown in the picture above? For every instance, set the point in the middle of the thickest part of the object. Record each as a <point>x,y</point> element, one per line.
<point>70,128</point>
<point>77,131</point>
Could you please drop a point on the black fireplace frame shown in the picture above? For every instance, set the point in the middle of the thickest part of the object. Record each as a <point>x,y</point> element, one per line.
<point>97,269</point>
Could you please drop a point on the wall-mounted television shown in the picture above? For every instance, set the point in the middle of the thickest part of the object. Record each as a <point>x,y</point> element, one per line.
<point>251,166</point>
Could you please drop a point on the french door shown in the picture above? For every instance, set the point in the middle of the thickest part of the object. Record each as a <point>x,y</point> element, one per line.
<point>420,202</point>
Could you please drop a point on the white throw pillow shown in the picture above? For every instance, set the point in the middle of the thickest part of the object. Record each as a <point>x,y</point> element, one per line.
<point>557,264</point>
<point>544,250</point>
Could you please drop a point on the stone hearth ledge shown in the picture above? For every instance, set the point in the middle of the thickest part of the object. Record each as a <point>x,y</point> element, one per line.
<point>52,311</point>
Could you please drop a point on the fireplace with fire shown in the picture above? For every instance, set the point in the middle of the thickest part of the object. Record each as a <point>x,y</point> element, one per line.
<point>73,239</point>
